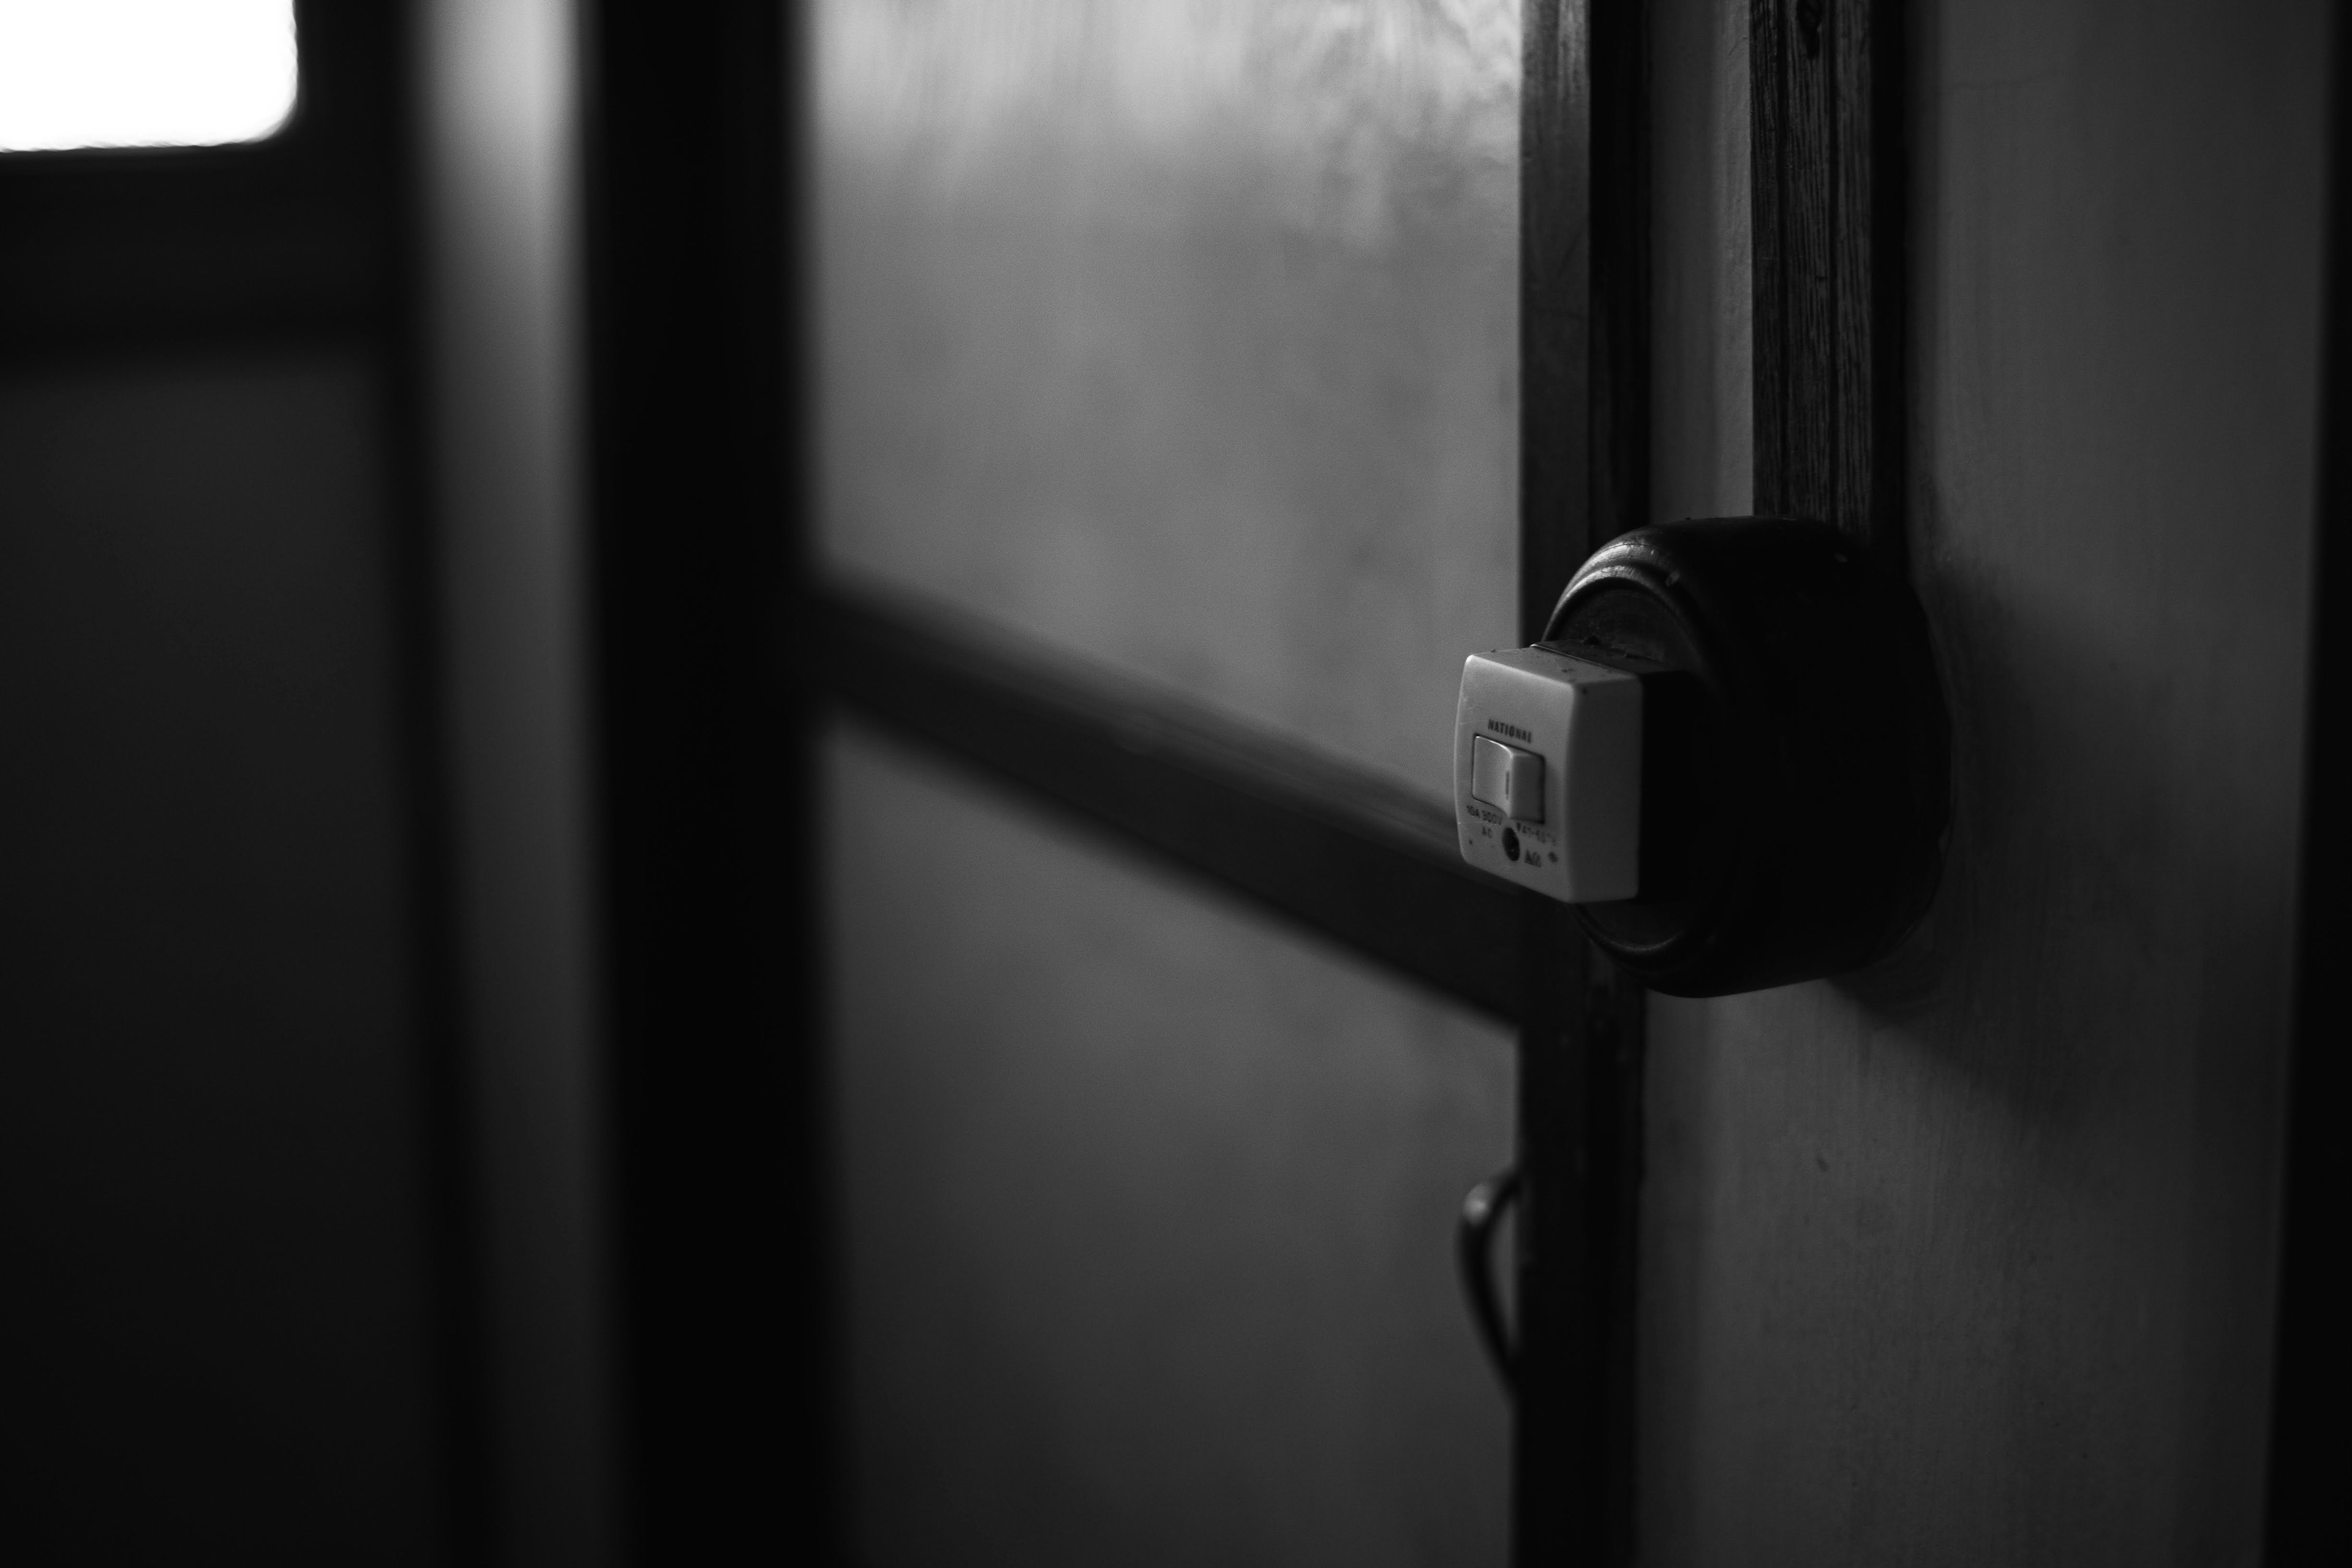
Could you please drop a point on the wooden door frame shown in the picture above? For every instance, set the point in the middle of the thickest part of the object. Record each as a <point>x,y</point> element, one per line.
<point>1248,815</point>
<point>699,378</point>
<point>716,1020</point>
<point>1584,479</point>
<point>1357,862</point>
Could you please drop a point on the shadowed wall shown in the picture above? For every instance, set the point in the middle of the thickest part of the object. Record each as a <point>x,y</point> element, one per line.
<point>1970,1259</point>
<point>212,1200</point>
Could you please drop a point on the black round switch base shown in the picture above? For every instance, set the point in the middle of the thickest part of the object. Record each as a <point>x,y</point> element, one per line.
<point>1795,758</point>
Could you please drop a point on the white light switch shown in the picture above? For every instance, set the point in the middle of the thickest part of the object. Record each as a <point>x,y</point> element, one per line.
<point>1506,778</point>
<point>1548,772</point>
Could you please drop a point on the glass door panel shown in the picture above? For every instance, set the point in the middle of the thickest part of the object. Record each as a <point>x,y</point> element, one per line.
<point>1183,337</point>
<point>1146,1201</point>
<point>1180,344</point>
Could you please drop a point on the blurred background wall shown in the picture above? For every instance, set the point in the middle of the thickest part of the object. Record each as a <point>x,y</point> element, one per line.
<point>219,1309</point>
<point>296,1117</point>
<point>229,1268</point>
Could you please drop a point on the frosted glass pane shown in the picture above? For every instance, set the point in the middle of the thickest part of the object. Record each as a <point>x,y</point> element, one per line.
<point>1183,336</point>
<point>143,73</point>
<point>1148,1205</point>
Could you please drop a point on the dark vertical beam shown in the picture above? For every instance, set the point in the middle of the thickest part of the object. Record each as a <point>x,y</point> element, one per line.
<point>1584,473</point>
<point>1768,137</point>
<point>1581,1043</point>
<point>1584,278</point>
<point>698,632</point>
<point>1826,189</point>
<point>1561,1435</point>
<point>2307,1522</point>
<point>1873,264</point>
<point>1556,459</point>
<point>1619,373</point>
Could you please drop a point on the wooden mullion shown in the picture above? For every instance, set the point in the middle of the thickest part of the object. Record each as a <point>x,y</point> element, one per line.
<point>1558,1448</point>
<point>1549,1465</point>
<point>1877,202</point>
<point>1341,853</point>
<point>1554,304</point>
<point>1767,135</point>
<point>1825,183</point>
<point>1853,503</point>
<point>1584,472</point>
<point>1808,280</point>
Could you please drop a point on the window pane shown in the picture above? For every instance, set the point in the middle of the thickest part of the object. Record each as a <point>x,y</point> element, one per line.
<point>1184,337</point>
<point>1149,1208</point>
<point>143,73</point>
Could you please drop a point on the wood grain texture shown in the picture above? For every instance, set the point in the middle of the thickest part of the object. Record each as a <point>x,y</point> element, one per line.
<point>1767,141</point>
<point>1826,172</point>
<point>1702,383</point>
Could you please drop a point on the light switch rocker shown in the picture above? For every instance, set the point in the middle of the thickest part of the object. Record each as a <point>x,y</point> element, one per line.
<point>1729,752</point>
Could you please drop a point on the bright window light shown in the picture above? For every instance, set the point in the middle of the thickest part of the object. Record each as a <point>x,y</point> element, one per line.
<point>143,73</point>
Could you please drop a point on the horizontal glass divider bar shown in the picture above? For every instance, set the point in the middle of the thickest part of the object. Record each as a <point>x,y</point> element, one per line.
<point>1344,853</point>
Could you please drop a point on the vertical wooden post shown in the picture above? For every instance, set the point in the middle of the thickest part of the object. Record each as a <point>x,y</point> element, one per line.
<point>1827,193</point>
<point>1556,424</point>
<point>1584,479</point>
<point>1828,213</point>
